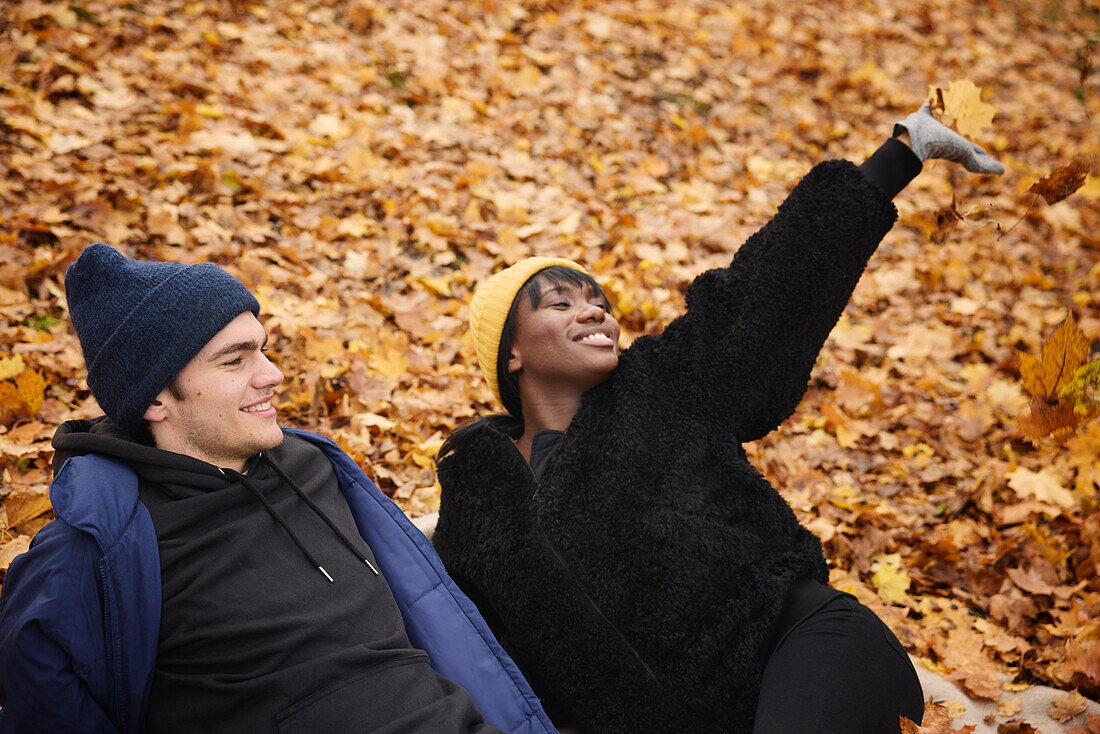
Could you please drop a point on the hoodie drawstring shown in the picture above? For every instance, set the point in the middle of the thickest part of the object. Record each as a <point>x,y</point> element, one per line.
<point>244,478</point>
<point>318,511</point>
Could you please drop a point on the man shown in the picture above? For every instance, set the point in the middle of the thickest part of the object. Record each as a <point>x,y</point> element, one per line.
<point>210,570</point>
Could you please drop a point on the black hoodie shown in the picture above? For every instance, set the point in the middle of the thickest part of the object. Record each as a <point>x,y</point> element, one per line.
<point>254,636</point>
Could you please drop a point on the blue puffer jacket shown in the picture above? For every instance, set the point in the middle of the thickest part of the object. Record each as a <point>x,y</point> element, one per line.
<point>80,611</point>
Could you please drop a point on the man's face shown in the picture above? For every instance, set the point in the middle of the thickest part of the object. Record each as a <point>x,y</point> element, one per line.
<point>223,413</point>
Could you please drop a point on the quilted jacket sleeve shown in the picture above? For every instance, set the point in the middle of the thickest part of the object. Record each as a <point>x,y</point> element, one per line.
<point>48,606</point>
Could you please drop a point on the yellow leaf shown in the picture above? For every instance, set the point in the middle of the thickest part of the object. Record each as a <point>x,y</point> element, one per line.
<point>210,110</point>
<point>1043,485</point>
<point>11,366</point>
<point>389,363</point>
<point>24,506</point>
<point>889,578</point>
<point>962,101</point>
<point>377,421</point>
<point>32,390</point>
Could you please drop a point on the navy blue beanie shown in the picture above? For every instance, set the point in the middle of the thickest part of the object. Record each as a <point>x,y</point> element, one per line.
<point>140,323</point>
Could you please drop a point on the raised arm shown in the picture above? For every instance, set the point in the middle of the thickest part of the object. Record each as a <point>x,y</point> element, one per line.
<point>743,351</point>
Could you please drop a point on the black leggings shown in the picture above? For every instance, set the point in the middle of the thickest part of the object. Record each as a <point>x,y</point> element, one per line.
<point>833,667</point>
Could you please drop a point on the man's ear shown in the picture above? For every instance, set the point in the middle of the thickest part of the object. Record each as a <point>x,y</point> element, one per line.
<point>514,362</point>
<point>158,411</point>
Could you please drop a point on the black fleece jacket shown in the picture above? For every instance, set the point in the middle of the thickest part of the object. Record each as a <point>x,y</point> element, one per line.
<point>635,582</point>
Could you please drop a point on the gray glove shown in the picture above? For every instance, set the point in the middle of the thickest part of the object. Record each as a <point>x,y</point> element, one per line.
<point>929,138</point>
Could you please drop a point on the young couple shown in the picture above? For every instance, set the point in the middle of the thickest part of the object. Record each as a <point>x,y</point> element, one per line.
<point>209,570</point>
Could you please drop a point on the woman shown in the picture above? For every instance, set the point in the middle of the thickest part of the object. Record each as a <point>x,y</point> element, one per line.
<point>610,528</point>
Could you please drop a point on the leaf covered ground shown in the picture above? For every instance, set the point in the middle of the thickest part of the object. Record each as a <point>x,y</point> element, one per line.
<point>361,164</point>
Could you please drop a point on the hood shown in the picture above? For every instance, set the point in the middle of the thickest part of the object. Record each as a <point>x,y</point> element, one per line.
<point>178,476</point>
<point>101,436</point>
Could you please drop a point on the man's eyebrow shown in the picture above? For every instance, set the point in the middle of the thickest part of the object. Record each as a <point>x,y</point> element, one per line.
<point>248,345</point>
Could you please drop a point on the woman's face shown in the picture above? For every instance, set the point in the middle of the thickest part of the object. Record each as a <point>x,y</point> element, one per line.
<point>568,340</point>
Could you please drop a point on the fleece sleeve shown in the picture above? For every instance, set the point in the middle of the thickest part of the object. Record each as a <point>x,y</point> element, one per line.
<point>743,351</point>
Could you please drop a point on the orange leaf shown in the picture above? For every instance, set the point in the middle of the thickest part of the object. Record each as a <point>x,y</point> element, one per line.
<point>9,398</point>
<point>1065,351</point>
<point>935,721</point>
<point>1063,180</point>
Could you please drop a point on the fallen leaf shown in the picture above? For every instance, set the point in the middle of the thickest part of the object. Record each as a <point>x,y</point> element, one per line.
<point>1065,707</point>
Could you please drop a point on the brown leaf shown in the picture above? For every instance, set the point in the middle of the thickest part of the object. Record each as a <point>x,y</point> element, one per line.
<point>1016,727</point>
<point>946,221</point>
<point>1065,707</point>
<point>1059,421</point>
<point>1063,180</point>
<point>935,721</point>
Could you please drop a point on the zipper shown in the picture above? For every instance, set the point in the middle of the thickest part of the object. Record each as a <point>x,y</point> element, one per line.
<point>108,649</point>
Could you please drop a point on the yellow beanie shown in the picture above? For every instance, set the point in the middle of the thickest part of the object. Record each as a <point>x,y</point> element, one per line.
<point>490,306</point>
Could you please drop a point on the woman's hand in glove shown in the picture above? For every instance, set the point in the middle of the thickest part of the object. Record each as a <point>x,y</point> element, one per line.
<point>929,138</point>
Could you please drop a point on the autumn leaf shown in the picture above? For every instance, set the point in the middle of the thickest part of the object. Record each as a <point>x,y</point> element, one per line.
<point>1067,706</point>
<point>962,102</point>
<point>24,506</point>
<point>11,366</point>
<point>1063,180</point>
<point>935,721</point>
<point>1060,384</point>
<point>1043,485</point>
<point>32,388</point>
<point>1016,727</point>
<point>890,579</point>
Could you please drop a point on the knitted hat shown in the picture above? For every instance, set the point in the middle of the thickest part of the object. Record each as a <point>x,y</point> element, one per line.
<point>490,306</point>
<point>140,323</point>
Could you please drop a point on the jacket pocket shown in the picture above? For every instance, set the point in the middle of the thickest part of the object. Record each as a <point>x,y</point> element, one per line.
<point>399,695</point>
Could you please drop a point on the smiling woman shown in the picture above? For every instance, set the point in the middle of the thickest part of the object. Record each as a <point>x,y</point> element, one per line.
<point>610,527</point>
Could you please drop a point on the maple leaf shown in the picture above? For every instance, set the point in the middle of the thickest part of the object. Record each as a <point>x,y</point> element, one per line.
<point>1060,384</point>
<point>1043,485</point>
<point>935,720</point>
<point>962,102</point>
<point>1063,180</point>
<point>1064,708</point>
<point>1057,185</point>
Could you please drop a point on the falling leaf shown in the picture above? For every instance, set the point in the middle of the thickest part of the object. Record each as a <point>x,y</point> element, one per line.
<point>1057,370</point>
<point>1063,180</point>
